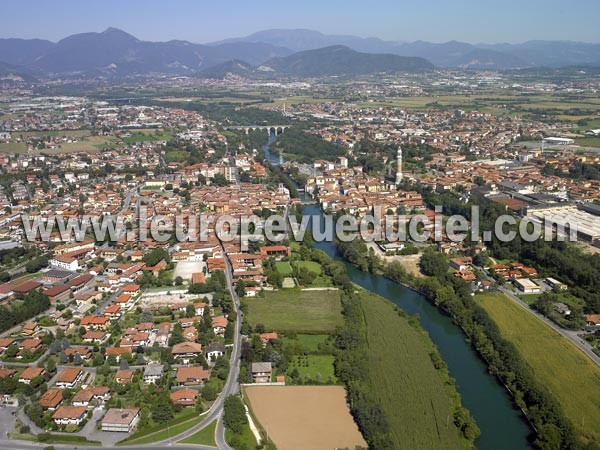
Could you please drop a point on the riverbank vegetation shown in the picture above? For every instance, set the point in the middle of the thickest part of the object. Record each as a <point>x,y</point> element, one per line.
<point>553,429</point>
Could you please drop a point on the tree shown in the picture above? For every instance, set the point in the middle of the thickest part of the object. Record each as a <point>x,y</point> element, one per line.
<point>124,365</point>
<point>234,416</point>
<point>434,263</point>
<point>190,311</point>
<point>162,409</point>
<point>210,392</point>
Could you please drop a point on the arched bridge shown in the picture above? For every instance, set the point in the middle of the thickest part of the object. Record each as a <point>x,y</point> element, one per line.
<point>275,129</point>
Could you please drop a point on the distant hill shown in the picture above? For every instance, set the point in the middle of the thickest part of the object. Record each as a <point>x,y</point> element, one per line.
<point>233,67</point>
<point>488,59</point>
<point>447,54</point>
<point>116,52</point>
<point>300,40</point>
<point>15,73</point>
<point>342,61</point>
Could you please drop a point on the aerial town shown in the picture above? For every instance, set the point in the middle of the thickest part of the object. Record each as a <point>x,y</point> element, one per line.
<point>139,308</point>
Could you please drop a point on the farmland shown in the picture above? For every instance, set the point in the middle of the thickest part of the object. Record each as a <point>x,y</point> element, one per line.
<point>567,373</point>
<point>414,396</point>
<point>322,411</point>
<point>296,310</point>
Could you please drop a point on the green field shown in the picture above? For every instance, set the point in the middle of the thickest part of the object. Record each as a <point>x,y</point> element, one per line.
<point>589,141</point>
<point>284,268</point>
<point>568,373</point>
<point>13,147</point>
<point>318,367</point>
<point>416,401</point>
<point>296,310</point>
<point>205,436</point>
<point>147,136</point>
<point>311,266</point>
<point>310,342</point>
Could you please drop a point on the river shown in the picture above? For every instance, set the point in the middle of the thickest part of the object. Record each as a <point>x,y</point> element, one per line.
<point>503,427</point>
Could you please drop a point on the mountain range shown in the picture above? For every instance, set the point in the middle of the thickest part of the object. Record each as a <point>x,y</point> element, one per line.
<point>116,52</point>
<point>273,53</point>
<point>452,54</point>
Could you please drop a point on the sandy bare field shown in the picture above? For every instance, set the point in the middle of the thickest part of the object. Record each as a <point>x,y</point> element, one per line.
<point>305,417</point>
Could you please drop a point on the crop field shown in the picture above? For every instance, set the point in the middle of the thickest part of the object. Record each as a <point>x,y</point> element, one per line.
<point>296,310</point>
<point>411,392</point>
<point>569,374</point>
<point>497,103</point>
<point>304,417</point>
<point>13,147</point>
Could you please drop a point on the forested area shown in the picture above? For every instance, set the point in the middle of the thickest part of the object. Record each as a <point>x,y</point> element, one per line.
<point>306,147</point>
<point>23,309</point>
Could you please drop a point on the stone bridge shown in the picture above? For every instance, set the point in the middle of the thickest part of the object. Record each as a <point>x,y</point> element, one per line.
<point>275,129</point>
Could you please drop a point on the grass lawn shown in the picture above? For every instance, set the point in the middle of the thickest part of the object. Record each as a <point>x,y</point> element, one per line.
<point>284,268</point>
<point>311,266</point>
<point>310,342</point>
<point>205,436</point>
<point>182,421</point>
<point>412,393</point>
<point>296,310</point>
<point>313,365</point>
<point>245,438</point>
<point>568,373</point>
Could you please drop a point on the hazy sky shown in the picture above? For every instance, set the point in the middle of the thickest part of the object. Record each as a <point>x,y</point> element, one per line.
<point>209,20</point>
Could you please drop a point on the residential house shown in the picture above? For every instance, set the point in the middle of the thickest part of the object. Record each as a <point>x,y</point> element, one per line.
<point>30,373</point>
<point>90,393</point>
<point>51,399</point>
<point>214,351</point>
<point>265,338</point>
<point>70,415</point>
<point>69,377</point>
<point>219,324</point>
<point>124,376</point>
<point>261,372</point>
<point>153,373</point>
<point>187,351</point>
<point>185,397</point>
<point>192,375</point>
